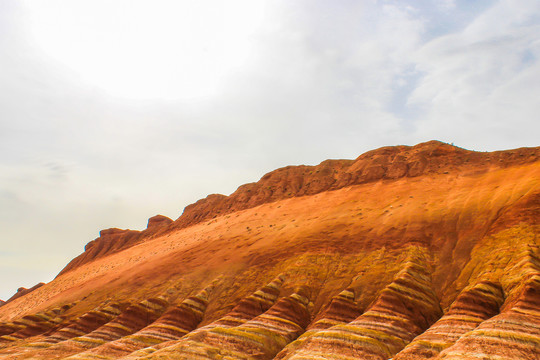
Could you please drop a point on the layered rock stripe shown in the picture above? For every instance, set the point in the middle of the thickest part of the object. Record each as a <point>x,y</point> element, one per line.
<point>260,338</point>
<point>176,322</point>
<point>248,308</point>
<point>78,327</point>
<point>251,306</point>
<point>341,310</point>
<point>404,309</point>
<point>513,334</point>
<point>134,318</point>
<point>84,324</point>
<point>473,306</point>
<point>32,325</point>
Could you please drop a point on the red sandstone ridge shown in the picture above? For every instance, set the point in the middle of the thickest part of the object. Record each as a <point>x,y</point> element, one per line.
<point>114,240</point>
<point>387,163</point>
<point>424,252</point>
<point>21,292</point>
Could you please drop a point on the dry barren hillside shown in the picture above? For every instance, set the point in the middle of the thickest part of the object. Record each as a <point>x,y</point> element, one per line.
<point>423,252</point>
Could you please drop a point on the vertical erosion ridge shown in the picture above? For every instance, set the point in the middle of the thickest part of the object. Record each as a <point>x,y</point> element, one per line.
<point>341,310</point>
<point>134,318</point>
<point>32,325</point>
<point>259,338</point>
<point>474,305</point>
<point>248,308</point>
<point>404,309</point>
<point>513,334</point>
<point>84,324</point>
<point>176,322</point>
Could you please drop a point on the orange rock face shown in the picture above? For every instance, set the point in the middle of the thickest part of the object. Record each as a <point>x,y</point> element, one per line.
<point>423,252</point>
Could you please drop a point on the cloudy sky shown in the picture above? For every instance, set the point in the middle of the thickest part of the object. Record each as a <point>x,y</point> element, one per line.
<point>112,111</point>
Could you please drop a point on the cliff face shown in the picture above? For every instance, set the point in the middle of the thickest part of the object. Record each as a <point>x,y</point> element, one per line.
<point>419,252</point>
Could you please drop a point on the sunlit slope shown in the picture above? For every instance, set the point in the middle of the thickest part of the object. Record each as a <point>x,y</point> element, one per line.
<point>420,266</point>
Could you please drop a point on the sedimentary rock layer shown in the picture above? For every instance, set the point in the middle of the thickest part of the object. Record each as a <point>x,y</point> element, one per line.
<point>341,310</point>
<point>134,318</point>
<point>84,324</point>
<point>21,292</point>
<point>32,325</point>
<point>458,225</point>
<point>387,163</point>
<point>403,310</point>
<point>513,334</point>
<point>260,338</point>
<point>473,306</point>
<point>176,322</point>
<point>248,308</point>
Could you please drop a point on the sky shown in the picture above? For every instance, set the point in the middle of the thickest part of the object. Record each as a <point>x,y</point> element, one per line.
<point>112,111</point>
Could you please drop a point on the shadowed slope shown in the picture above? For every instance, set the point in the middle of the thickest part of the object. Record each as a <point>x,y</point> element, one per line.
<point>474,305</point>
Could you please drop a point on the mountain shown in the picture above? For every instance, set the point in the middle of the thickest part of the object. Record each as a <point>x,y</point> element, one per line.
<point>422,252</point>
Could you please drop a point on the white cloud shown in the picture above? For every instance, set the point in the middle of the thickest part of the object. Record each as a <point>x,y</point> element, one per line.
<point>478,85</point>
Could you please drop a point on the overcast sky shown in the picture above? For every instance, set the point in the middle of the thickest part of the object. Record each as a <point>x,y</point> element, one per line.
<point>112,111</point>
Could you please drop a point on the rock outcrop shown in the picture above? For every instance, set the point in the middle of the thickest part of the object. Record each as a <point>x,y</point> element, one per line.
<point>21,292</point>
<point>114,240</point>
<point>390,163</point>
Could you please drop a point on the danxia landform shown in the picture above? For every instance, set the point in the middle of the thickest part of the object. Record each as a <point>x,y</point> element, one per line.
<point>407,252</point>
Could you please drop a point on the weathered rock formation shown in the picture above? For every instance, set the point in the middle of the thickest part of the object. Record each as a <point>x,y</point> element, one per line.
<point>21,292</point>
<point>473,306</point>
<point>260,338</point>
<point>387,163</point>
<point>423,252</point>
<point>404,309</point>
<point>114,240</point>
<point>31,325</point>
